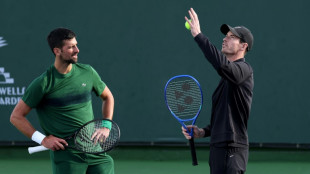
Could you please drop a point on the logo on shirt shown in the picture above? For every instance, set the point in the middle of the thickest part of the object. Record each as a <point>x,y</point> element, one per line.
<point>83,84</point>
<point>2,42</point>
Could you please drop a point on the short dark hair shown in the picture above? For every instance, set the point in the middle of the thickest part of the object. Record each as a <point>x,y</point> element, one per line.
<point>57,36</point>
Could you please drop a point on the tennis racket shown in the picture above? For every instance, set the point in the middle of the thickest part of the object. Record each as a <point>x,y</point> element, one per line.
<point>83,138</point>
<point>183,97</point>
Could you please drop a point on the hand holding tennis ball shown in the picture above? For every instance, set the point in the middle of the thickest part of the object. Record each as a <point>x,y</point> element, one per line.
<point>193,22</point>
<point>187,26</point>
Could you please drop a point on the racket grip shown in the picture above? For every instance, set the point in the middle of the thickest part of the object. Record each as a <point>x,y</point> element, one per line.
<point>35,149</point>
<point>193,151</point>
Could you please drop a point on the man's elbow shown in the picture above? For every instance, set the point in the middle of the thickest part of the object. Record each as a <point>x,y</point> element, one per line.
<point>13,118</point>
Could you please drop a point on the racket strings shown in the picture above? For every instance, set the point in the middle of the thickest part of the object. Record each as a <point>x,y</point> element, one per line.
<point>184,97</point>
<point>83,138</point>
<point>111,140</point>
<point>84,142</point>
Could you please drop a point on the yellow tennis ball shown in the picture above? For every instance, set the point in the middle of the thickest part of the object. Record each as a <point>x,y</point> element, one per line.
<point>187,26</point>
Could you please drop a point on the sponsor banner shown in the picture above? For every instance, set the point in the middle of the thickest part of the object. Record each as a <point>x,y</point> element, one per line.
<point>10,94</point>
<point>2,42</point>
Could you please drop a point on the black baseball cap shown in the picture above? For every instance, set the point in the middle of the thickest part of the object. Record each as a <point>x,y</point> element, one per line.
<point>240,31</point>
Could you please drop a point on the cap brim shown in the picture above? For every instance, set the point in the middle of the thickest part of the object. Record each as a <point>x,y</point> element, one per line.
<point>226,28</point>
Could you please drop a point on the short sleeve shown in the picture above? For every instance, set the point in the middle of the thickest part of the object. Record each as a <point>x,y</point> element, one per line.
<point>98,84</point>
<point>34,93</point>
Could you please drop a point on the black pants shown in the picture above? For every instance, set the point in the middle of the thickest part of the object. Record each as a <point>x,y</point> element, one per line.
<point>228,160</point>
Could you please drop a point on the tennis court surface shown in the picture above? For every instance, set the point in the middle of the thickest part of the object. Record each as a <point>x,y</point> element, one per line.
<point>162,160</point>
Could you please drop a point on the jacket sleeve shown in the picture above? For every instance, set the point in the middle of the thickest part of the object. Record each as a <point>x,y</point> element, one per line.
<point>207,131</point>
<point>236,72</point>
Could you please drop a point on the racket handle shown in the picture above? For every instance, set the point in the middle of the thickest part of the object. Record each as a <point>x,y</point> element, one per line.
<point>35,149</point>
<point>193,151</point>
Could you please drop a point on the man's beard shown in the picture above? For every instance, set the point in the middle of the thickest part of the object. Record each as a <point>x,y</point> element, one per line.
<point>69,61</point>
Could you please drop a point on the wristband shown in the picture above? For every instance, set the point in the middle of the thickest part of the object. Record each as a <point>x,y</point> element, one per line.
<point>107,124</point>
<point>37,137</point>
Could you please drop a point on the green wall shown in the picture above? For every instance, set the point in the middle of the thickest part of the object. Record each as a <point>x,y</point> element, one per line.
<point>137,45</point>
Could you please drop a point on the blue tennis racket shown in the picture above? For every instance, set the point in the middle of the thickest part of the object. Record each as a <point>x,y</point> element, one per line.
<point>183,96</point>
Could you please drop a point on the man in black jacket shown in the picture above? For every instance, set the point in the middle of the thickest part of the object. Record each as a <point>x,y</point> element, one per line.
<point>232,99</point>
